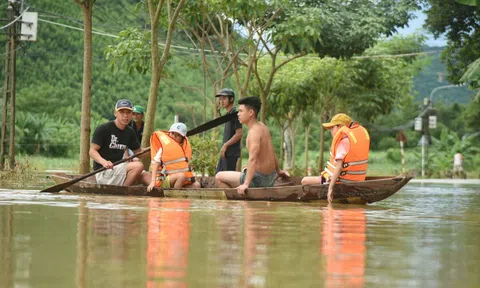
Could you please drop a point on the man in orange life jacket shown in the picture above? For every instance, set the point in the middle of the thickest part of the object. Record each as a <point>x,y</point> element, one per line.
<point>171,153</point>
<point>348,154</point>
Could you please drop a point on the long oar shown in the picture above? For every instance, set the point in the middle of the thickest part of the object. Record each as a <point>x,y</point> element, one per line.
<point>204,127</point>
<point>61,186</point>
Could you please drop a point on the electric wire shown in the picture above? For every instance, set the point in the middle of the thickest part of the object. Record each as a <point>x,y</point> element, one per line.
<point>14,20</point>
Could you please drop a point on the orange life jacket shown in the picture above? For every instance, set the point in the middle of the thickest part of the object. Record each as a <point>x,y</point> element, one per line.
<point>356,161</point>
<point>175,157</point>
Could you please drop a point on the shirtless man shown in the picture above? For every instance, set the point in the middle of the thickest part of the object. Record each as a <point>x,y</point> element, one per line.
<point>262,167</point>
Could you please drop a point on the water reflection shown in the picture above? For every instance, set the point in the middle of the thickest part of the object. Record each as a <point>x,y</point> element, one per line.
<point>82,228</point>
<point>109,246</point>
<point>343,244</point>
<point>256,251</point>
<point>168,243</point>
<point>6,246</point>
<point>424,236</point>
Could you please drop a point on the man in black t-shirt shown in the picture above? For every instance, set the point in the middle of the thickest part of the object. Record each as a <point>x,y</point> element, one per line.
<point>110,142</point>
<point>232,134</point>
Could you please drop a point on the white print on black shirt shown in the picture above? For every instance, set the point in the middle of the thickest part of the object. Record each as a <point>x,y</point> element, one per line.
<point>115,145</point>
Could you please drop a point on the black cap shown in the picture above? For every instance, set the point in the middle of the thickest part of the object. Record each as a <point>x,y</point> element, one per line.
<point>124,104</point>
<point>226,92</point>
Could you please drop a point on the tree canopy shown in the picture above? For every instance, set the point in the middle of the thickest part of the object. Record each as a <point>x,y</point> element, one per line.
<point>461,26</point>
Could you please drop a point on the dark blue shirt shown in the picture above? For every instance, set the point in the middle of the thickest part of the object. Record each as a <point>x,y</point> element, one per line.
<point>229,131</point>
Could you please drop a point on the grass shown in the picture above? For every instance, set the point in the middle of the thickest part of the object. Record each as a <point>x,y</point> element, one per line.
<point>42,163</point>
<point>379,164</point>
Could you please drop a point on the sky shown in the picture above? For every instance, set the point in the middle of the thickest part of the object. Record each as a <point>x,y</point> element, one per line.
<point>416,24</point>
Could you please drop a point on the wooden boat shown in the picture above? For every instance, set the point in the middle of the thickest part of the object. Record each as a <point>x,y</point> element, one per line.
<point>372,190</point>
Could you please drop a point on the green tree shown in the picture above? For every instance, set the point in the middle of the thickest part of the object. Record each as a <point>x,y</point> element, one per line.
<point>460,24</point>
<point>469,2</point>
<point>87,11</point>
<point>172,10</point>
<point>444,147</point>
<point>365,87</point>
<point>132,51</point>
<point>329,28</point>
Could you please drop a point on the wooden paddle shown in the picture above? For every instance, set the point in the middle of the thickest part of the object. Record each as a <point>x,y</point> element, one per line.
<point>204,127</point>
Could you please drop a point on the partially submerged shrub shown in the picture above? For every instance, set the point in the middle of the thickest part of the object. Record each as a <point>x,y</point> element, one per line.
<point>22,172</point>
<point>205,153</point>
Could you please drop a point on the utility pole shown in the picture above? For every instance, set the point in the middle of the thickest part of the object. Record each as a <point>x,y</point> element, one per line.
<point>425,133</point>
<point>9,91</point>
<point>422,125</point>
<point>28,32</point>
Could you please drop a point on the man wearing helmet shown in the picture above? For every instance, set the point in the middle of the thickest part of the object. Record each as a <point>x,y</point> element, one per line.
<point>232,133</point>
<point>171,153</point>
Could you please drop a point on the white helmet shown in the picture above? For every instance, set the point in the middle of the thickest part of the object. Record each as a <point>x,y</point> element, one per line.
<point>180,128</point>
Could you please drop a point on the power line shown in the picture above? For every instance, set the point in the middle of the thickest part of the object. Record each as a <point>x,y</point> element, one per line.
<point>18,48</point>
<point>14,20</point>
<point>72,19</point>
<point>76,28</point>
<point>196,50</point>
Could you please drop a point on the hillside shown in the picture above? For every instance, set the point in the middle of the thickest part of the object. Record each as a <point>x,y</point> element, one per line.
<point>435,75</point>
<point>49,71</point>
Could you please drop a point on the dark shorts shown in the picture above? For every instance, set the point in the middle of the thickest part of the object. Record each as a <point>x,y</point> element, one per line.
<point>259,179</point>
<point>227,164</point>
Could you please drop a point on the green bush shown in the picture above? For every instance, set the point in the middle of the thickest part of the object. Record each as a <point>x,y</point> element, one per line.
<point>205,153</point>
<point>45,135</point>
<point>300,171</point>
<point>394,155</point>
<point>412,138</point>
<point>387,142</point>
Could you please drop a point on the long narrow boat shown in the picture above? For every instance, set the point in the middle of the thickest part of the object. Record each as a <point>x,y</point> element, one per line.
<point>372,190</point>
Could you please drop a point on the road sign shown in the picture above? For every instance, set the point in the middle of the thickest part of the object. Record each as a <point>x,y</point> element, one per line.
<point>432,121</point>
<point>401,137</point>
<point>418,124</point>
<point>423,141</point>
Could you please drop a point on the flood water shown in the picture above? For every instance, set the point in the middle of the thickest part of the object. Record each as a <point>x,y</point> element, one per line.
<point>423,236</point>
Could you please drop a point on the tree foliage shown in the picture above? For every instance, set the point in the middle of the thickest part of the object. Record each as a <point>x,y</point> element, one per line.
<point>446,145</point>
<point>339,28</point>
<point>460,24</point>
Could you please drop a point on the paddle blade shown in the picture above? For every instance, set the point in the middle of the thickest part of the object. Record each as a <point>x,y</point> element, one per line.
<point>58,187</point>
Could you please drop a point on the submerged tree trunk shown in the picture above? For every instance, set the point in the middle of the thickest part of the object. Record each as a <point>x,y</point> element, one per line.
<point>288,145</point>
<point>263,111</point>
<point>158,63</point>
<point>87,10</point>
<point>307,134</point>
<point>292,164</point>
<point>322,143</point>
<point>282,148</point>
